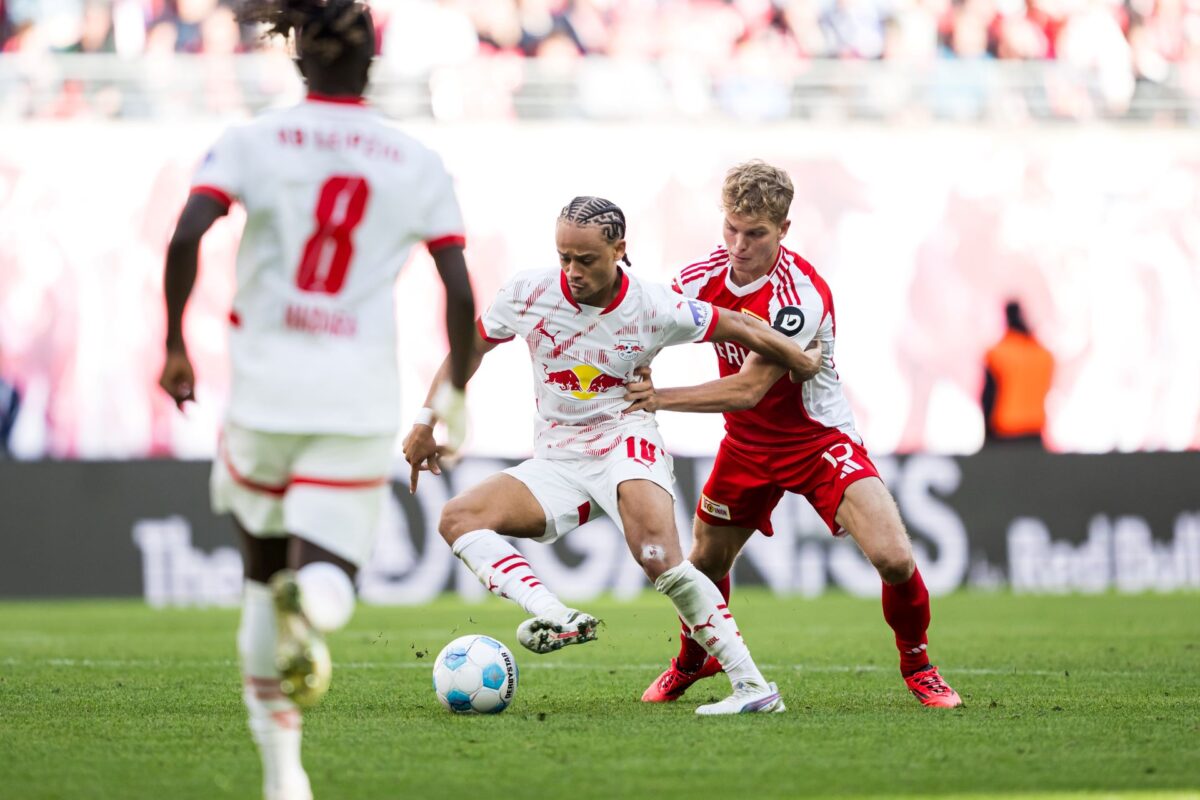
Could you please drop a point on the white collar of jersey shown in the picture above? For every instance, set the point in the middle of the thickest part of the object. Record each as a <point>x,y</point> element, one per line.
<point>750,288</point>
<point>566,290</point>
<point>756,284</point>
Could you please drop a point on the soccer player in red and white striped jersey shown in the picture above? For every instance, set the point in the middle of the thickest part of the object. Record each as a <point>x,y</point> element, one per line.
<point>784,436</point>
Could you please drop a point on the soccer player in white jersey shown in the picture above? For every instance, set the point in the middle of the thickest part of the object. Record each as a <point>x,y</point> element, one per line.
<point>781,436</point>
<point>588,325</point>
<point>335,198</point>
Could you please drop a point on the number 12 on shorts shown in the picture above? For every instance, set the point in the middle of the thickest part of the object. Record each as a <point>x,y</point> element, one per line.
<point>840,456</point>
<point>341,204</point>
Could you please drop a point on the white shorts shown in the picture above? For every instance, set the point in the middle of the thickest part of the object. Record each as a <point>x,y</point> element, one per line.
<point>575,490</point>
<point>326,489</point>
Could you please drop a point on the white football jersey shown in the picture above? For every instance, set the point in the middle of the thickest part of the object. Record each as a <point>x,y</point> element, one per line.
<point>335,198</point>
<point>583,355</point>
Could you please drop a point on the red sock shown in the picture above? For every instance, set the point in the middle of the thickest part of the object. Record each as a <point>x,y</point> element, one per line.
<point>691,655</point>
<point>906,609</point>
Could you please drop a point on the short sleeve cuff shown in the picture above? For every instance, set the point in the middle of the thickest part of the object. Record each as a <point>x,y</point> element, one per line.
<point>442,242</point>
<point>216,193</point>
<point>483,332</point>
<point>712,326</point>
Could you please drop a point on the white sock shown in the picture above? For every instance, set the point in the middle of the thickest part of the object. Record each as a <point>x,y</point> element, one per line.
<point>274,719</point>
<point>326,595</point>
<point>702,609</point>
<point>505,572</point>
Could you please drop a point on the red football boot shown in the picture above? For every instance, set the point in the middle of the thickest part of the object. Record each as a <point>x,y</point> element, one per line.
<point>670,686</point>
<point>931,690</point>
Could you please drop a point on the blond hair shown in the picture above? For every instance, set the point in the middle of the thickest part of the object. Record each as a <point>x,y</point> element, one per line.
<point>756,189</point>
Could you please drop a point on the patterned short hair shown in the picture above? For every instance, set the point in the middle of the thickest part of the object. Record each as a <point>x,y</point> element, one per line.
<point>757,189</point>
<point>591,210</point>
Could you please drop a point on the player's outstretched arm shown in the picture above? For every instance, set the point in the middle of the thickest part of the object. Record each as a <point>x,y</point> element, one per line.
<point>421,450</point>
<point>731,393</point>
<point>183,254</point>
<point>460,311</point>
<point>767,342</point>
<point>450,402</point>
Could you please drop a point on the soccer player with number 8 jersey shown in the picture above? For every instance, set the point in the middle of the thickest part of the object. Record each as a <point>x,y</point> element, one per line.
<point>335,198</point>
<point>784,436</point>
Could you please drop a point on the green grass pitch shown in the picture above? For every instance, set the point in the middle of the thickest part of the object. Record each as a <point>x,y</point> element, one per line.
<point>1066,696</point>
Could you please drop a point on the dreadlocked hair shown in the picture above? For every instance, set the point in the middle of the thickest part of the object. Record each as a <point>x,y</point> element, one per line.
<point>607,215</point>
<point>326,30</point>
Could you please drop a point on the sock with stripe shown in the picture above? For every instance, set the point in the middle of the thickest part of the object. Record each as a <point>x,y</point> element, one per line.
<point>702,608</point>
<point>691,655</point>
<point>505,572</point>
<point>274,719</point>
<point>906,609</point>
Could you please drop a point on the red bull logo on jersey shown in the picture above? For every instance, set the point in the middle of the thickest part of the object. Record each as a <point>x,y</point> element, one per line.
<point>583,382</point>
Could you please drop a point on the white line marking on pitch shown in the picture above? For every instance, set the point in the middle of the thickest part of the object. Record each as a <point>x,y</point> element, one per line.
<point>569,665</point>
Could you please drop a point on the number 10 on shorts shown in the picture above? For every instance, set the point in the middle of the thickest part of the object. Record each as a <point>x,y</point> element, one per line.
<point>641,451</point>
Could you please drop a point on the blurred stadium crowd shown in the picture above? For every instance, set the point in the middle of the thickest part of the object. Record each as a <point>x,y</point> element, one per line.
<point>1142,35</point>
<point>1130,53</point>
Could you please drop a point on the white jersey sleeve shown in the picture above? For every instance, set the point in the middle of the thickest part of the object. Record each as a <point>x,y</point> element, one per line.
<point>798,324</point>
<point>499,323</point>
<point>220,173</point>
<point>799,308</point>
<point>442,218</point>
<point>684,320</point>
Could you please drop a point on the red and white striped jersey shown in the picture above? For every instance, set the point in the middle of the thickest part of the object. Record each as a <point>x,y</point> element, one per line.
<point>335,196</point>
<point>796,301</point>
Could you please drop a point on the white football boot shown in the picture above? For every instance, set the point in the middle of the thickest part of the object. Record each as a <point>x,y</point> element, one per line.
<point>747,698</point>
<point>301,655</point>
<point>547,634</point>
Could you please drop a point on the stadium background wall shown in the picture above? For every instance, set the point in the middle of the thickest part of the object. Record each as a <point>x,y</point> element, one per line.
<point>922,234</point>
<point>1016,516</point>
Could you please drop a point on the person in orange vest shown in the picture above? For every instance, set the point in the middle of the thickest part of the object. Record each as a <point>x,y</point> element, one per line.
<point>1017,377</point>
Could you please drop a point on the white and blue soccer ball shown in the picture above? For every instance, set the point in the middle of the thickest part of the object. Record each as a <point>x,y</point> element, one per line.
<point>475,675</point>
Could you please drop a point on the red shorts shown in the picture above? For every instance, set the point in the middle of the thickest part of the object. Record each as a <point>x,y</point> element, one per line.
<point>747,482</point>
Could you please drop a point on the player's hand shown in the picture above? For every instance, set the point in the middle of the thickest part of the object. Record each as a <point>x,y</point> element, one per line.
<point>177,378</point>
<point>640,393</point>
<point>422,453</point>
<point>450,406</point>
<point>814,354</point>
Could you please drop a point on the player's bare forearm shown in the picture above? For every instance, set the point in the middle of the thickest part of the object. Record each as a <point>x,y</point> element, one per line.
<point>421,450</point>
<point>727,394</point>
<point>479,347</point>
<point>179,276</point>
<point>766,341</point>
<point>183,255</point>
<point>732,393</point>
<point>460,312</point>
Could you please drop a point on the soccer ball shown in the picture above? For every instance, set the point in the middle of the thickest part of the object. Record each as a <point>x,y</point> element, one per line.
<point>475,675</point>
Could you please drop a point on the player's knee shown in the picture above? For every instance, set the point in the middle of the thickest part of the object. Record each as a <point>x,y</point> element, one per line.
<point>713,562</point>
<point>653,564</point>
<point>894,564</point>
<point>654,558</point>
<point>459,516</point>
